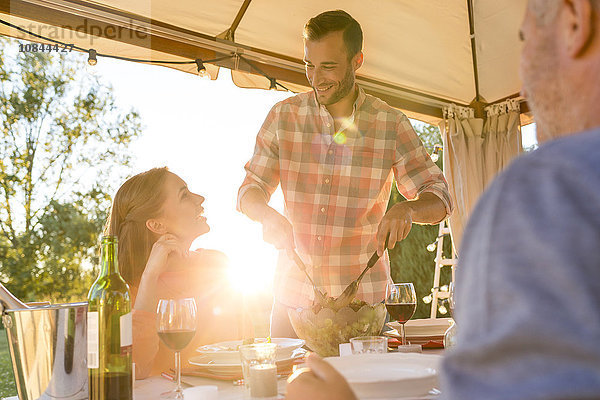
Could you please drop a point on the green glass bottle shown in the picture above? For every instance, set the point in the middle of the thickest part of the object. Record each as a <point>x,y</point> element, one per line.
<point>109,330</point>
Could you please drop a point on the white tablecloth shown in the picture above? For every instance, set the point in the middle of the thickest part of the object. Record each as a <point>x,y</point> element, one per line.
<point>149,388</point>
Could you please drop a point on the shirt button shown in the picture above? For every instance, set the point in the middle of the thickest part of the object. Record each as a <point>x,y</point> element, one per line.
<point>330,151</point>
<point>319,238</point>
<point>322,209</point>
<point>326,180</point>
<point>328,125</point>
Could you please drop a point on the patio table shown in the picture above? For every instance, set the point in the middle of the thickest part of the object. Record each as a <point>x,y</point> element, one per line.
<point>147,389</point>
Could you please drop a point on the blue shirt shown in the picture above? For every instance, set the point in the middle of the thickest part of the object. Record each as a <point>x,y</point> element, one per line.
<point>528,281</point>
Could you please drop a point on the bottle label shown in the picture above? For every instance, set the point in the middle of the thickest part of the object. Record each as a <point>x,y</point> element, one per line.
<point>126,335</point>
<point>92,339</point>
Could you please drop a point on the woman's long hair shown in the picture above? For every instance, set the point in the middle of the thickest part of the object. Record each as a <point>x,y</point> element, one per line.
<point>141,197</point>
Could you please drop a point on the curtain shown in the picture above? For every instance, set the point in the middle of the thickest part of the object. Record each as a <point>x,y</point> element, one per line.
<point>474,152</point>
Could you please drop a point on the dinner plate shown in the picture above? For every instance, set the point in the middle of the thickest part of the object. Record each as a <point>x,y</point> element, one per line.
<point>208,364</point>
<point>228,352</point>
<point>378,376</point>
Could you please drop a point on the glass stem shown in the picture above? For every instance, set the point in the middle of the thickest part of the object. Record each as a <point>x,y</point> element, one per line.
<point>178,390</point>
<point>403,335</point>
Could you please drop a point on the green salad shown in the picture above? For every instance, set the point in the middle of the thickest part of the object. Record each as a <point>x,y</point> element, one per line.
<point>324,328</point>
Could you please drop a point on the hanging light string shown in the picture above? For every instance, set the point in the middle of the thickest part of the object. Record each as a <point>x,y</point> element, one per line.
<point>273,81</point>
<point>93,56</point>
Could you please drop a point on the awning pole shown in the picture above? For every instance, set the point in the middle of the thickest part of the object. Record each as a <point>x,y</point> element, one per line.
<point>478,103</point>
<point>229,34</point>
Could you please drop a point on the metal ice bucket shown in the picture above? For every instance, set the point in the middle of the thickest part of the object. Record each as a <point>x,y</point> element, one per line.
<point>48,348</point>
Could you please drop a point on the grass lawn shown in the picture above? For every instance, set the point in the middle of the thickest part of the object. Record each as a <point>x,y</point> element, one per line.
<point>7,381</point>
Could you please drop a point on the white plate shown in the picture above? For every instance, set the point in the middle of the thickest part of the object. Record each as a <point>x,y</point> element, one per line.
<point>218,368</point>
<point>374,376</point>
<point>423,327</point>
<point>228,352</point>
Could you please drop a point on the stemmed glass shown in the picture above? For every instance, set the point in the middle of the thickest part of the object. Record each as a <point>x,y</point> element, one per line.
<point>401,303</point>
<point>451,298</point>
<point>176,325</point>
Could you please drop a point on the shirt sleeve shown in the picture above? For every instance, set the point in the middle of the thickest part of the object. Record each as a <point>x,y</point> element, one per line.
<point>528,289</point>
<point>145,342</point>
<point>414,170</point>
<point>262,171</point>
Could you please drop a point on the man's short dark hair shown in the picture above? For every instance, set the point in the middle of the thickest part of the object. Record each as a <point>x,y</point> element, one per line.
<point>334,21</point>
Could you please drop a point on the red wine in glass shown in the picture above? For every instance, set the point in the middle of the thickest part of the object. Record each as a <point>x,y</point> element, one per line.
<point>176,325</point>
<point>401,303</point>
<point>401,312</point>
<point>177,339</point>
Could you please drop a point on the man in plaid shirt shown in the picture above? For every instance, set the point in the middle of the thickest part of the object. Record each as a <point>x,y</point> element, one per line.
<point>335,151</point>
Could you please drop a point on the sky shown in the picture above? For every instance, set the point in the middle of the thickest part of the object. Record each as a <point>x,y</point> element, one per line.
<point>205,131</point>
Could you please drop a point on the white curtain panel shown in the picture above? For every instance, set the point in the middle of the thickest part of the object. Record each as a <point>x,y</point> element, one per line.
<point>474,152</point>
<point>501,137</point>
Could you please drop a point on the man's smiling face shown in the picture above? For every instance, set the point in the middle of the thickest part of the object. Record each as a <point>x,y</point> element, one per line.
<point>329,69</point>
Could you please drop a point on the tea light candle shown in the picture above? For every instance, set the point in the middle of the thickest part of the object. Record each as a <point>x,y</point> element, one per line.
<point>263,381</point>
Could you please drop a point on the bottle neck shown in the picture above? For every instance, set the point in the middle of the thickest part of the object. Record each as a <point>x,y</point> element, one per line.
<point>108,257</point>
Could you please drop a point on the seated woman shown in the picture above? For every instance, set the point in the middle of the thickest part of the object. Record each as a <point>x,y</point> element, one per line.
<point>156,219</point>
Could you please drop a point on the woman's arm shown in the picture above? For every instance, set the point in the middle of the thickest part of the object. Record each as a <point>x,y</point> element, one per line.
<point>145,338</point>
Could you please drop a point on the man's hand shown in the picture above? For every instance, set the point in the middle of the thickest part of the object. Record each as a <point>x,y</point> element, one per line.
<point>320,381</point>
<point>396,223</point>
<point>277,230</point>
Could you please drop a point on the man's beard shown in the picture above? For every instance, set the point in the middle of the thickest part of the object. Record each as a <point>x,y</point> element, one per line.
<point>345,87</point>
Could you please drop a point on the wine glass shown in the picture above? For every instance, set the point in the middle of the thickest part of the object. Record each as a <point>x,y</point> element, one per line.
<point>451,298</point>
<point>401,303</point>
<point>176,326</point>
<point>450,334</point>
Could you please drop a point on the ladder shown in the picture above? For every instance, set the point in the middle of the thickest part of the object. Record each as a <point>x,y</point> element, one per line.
<point>441,262</point>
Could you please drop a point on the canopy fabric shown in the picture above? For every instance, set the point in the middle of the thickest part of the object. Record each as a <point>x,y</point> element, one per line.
<point>418,54</point>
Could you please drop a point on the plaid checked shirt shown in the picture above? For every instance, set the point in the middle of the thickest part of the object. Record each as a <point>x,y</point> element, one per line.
<point>336,188</point>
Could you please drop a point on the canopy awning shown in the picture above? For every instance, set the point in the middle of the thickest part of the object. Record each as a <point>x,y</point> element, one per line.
<point>419,55</point>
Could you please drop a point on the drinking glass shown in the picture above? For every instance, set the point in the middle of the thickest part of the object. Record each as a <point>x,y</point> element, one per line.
<point>259,369</point>
<point>176,325</point>
<point>401,303</point>
<point>369,344</point>
<point>451,298</point>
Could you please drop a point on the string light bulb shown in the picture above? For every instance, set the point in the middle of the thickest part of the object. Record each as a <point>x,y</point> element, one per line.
<point>431,247</point>
<point>427,299</point>
<point>435,155</point>
<point>92,57</point>
<point>442,309</point>
<point>202,72</point>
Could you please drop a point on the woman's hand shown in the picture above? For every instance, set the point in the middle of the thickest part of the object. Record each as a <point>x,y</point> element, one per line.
<point>161,250</point>
<point>165,246</point>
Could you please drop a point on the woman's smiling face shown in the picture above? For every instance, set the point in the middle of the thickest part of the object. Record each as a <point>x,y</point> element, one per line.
<point>182,211</point>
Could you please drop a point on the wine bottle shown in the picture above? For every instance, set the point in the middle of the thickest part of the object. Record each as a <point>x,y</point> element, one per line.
<point>9,301</point>
<point>109,330</point>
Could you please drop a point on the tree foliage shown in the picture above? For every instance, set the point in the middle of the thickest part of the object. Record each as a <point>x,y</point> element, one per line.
<point>63,146</point>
